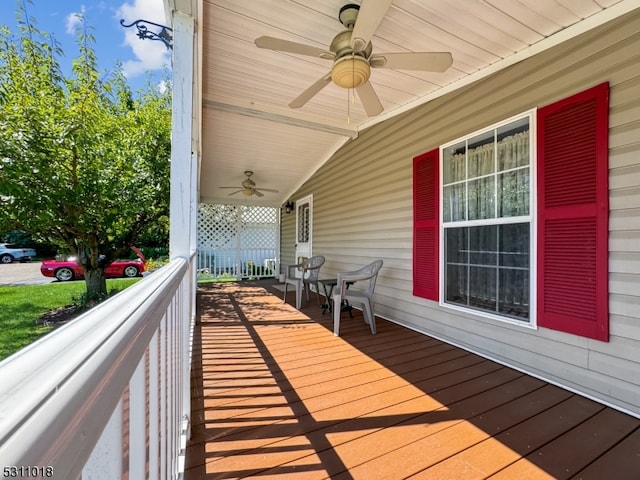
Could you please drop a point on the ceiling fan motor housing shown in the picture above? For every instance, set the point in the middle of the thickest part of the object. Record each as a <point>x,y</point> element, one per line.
<point>248,183</point>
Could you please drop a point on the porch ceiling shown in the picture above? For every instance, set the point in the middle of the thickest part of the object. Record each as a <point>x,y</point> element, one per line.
<point>246,121</point>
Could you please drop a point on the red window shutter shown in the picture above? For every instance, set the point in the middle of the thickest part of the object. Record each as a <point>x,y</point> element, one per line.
<point>573,210</point>
<point>426,225</point>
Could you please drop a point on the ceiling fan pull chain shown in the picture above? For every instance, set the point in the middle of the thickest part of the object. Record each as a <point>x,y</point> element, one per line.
<point>351,93</point>
<point>353,74</point>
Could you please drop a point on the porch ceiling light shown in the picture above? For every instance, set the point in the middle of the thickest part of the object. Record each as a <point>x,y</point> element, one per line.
<point>350,71</point>
<point>288,207</point>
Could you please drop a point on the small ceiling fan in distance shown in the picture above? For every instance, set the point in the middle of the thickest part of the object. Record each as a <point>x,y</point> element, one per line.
<point>352,54</point>
<point>248,187</point>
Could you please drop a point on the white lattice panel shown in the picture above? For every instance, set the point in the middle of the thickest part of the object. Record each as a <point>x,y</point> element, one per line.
<point>217,226</point>
<point>237,240</point>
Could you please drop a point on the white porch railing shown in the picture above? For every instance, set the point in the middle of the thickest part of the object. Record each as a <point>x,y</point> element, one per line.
<point>237,263</point>
<point>106,396</point>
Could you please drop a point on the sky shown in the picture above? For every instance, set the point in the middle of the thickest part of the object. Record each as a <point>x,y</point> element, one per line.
<point>113,42</point>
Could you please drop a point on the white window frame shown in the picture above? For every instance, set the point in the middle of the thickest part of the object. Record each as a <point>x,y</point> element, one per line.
<point>530,218</point>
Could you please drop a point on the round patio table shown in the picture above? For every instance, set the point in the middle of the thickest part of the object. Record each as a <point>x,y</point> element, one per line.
<point>328,284</point>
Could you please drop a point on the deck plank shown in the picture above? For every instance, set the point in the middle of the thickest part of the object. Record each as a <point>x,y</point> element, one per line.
<point>621,462</point>
<point>589,439</point>
<point>276,395</point>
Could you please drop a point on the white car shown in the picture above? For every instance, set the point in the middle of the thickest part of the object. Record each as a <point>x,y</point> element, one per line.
<point>10,253</point>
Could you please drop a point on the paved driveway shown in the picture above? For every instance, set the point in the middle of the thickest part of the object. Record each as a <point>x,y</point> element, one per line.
<point>22,274</point>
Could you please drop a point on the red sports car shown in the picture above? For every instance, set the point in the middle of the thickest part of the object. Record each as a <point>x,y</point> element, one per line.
<point>65,270</point>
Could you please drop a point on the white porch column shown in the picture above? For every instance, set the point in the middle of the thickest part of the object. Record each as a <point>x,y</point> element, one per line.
<point>183,157</point>
<point>184,196</point>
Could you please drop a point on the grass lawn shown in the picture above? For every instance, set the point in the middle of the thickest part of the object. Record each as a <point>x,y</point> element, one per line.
<point>23,305</point>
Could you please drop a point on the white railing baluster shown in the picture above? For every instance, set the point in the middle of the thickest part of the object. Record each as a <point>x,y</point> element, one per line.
<point>137,423</point>
<point>154,414</point>
<point>226,263</point>
<point>164,467</point>
<point>106,460</point>
<point>171,404</point>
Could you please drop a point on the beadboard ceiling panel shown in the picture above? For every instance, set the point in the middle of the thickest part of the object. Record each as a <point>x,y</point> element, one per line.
<point>247,124</point>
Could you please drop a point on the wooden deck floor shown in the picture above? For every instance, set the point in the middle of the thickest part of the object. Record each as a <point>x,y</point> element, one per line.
<point>276,395</point>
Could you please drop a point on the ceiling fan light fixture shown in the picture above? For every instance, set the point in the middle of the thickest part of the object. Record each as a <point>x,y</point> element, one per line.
<point>352,53</point>
<point>350,71</point>
<point>248,187</point>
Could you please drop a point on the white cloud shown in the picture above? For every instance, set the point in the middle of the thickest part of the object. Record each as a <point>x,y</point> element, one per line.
<point>73,20</point>
<point>149,54</point>
<point>162,86</point>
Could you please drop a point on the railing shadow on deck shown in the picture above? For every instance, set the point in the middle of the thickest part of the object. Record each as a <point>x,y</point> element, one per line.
<point>466,407</point>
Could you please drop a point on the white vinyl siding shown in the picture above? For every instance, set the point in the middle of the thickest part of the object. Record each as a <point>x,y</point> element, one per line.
<point>363,211</point>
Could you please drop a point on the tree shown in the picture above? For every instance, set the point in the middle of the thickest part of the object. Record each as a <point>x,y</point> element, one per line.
<point>83,164</point>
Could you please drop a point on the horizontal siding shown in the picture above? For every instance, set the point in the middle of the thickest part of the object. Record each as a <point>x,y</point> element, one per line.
<point>363,211</point>
<point>623,262</point>
<point>627,198</point>
<point>287,241</point>
<point>625,177</point>
<point>624,240</point>
<point>624,284</point>
<point>624,156</point>
<point>625,327</point>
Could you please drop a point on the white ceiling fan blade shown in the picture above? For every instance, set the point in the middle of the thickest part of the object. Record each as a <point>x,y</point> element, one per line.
<point>369,99</point>
<point>258,193</point>
<point>270,190</point>
<point>369,17</point>
<point>310,92</point>
<point>280,45</point>
<point>230,187</point>
<point>233,193</point>
<point>424,61</point>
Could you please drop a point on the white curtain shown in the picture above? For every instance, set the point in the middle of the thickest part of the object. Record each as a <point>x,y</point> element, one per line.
<point>509,157</point>
<point>513,151</point>
<point>513,184</point>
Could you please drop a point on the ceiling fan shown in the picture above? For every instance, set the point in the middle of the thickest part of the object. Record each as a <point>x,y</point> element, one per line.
<point>248,187</point>
<point>352,55</point>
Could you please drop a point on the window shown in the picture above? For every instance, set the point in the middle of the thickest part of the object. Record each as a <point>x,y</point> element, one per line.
<point>494,220</point>
<point>304,229</point>
<point>486,217</point>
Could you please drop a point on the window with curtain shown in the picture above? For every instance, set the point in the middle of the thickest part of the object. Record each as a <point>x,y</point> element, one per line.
<point>474,216</point>
<point>486,218</point>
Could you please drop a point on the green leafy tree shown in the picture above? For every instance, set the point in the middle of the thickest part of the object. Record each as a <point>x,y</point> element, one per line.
<point>83,164</point>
